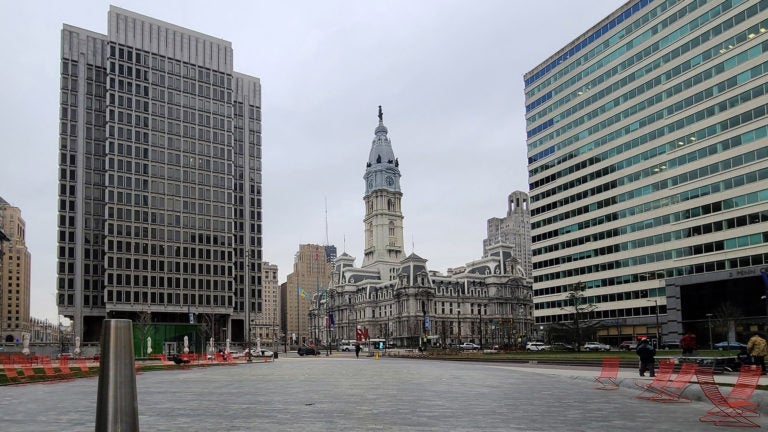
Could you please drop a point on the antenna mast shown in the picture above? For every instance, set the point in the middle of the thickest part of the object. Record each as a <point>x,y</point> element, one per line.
<point>326,221</point>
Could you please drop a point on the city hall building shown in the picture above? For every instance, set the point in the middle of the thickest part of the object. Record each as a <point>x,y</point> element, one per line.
<point>648,161</point>
<point>394,297</point>
<point>159,205</point>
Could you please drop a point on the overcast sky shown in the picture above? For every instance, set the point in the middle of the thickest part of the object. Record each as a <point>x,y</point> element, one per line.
<point>448,75</point>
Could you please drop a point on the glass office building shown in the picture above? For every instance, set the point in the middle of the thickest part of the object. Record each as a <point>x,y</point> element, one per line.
<point>159,208</point>
<point>648,169</point>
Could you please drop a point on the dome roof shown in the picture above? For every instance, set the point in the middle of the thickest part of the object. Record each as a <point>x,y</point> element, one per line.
<point>381,147</point>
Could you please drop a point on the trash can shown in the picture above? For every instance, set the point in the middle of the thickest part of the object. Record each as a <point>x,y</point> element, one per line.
<point>275,355</point>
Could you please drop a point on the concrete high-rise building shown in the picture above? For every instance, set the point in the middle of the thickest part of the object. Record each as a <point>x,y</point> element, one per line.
<point>311,275</point>
<point>266,319</point>
<point>159,178</point>
<point>648,160</point>
<point>513,230</point>
<point>15,265</point>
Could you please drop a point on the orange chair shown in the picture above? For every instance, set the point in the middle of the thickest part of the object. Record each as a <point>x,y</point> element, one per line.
<point>673,390</point>
<point>663,374</point>
<point>746,383</point>
<point>608,374</point>
<point>724,412</point>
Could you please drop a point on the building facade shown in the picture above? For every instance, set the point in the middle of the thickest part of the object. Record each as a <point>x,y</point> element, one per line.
<point>159,179</point>
<point>310,276</point>
<point>15,273</point>
<point>514,230</point>
<point>265,321</point>
<point>396,298</point>
<point>647,163</point>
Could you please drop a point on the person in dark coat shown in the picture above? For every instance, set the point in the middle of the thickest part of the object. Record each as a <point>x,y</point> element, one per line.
<point>646,352</point>
<point>357,350</point>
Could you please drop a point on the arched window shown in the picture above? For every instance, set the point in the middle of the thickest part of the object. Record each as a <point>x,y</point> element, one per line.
<point>390,205</point>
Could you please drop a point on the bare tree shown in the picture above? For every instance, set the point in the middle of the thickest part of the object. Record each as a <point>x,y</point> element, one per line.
<point>578,307</point>
<point>145,328</point>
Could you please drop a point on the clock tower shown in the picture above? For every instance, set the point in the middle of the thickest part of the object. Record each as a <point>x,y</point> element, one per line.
<point>383,215</point>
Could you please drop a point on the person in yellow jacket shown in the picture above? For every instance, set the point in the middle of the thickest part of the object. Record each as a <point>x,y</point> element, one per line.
<point>758,349</point>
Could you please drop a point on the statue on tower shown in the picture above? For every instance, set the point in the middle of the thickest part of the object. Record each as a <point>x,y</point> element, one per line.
<point>381,115</point>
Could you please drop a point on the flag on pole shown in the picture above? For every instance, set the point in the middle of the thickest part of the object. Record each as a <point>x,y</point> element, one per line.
<point>359,334</point>
<point>365,333</point>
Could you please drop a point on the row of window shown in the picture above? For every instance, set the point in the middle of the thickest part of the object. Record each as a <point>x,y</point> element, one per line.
<point>660,150</point>
<point>601,298</point>
<point>667,183</point>
<point>679,216</point>
<point>607,27</point>
<point>670,38</point>
<point>734,243</point>
<point>598,315</point>
<point>164,64</point>
<point>741,36</point>
<point>672,109</point>
<point>670,236</point>
<point>666,92</point>
<point>170,298</point>
<point>714,129</point>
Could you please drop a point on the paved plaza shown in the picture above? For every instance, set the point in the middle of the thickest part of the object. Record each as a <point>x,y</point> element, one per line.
<point>344,393</point>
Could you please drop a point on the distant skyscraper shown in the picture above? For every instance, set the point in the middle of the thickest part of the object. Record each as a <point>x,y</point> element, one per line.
<point>647,166</point>
<point>266,320</point>
<point>159,178</point>
<point>310,275</point>
<point>15,264</point>
<point>513,230</point>
<point>330,253</point>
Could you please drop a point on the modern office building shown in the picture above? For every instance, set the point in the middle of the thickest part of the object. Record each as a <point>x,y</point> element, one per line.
<point>514,230</point>
<point>15,267</point>
<point>648,160</point>
<point>159,179</point>
<point>396,298</point>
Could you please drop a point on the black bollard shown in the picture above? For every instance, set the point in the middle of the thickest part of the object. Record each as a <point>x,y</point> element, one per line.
<point>116,402</point>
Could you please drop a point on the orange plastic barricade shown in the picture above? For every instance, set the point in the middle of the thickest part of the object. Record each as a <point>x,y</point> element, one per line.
<point>663,374</point>
<point>608,374</point>
<point>746,383</point>
<point>64,366</point>
<point>26,368</point>
<point>82,365</point>
<point>724,412</point>
<point>45,362</point>
<point>673,390</point>
<point>10,372</point>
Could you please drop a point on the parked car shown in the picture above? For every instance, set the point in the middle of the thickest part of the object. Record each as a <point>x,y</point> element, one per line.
<point>305,350</point>
<point>346,347</point>
<point>628,345</point>
<point>560,346</point>
<point>596,346</point>
<point>536,346</point>
<point>670,345</point>
<point>469,346</point>
<point>735,346</point>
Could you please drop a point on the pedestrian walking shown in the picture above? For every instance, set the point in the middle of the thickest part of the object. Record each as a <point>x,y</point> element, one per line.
<point>357,350</point>
<point>758,349</point>
<point>646,352</point>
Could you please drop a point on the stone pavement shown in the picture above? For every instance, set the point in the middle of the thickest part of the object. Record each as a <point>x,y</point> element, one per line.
<point>344,393</point>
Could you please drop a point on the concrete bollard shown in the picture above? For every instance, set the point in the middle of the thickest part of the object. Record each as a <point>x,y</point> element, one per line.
<point>116,402</point>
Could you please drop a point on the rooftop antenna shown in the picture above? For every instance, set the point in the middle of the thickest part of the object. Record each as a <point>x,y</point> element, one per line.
<point>345,243</point>
<point>326,221</point>
<point>413,244</point>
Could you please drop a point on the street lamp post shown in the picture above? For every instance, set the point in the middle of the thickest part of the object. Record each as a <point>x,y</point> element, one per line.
<point>709,324</point>
<point>656,308</point>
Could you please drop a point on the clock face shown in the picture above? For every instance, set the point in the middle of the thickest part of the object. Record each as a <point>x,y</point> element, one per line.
<point>390,181</point>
